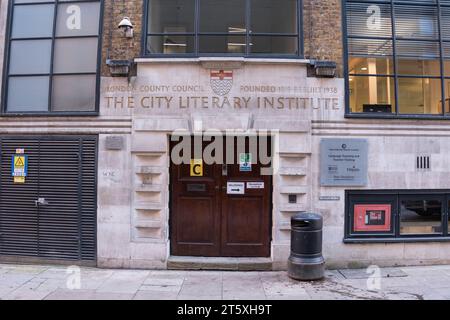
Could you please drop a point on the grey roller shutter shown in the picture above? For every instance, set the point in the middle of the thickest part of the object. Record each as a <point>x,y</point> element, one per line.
<point>63,171</point>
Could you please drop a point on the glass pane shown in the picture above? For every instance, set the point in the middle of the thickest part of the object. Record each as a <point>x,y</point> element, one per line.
<point>416,22</point>
<point>420,217</point>
<point>222,44</point>
<point>78,19</point>
<point>32,1</point>
<point>170,16</point>
<point>372,94</point>
<point>28,94</point>
<point>74,93</point>
<point>222,16</point>
<point>445,21</point>
<point>369,20</point>
<point>170,44</point>
<point>419,96</point>
<point>33,21</point>
<point>447,95</point>
<point>362,65</point>
<point>419,67</point>
<point>30,57</point>
<point>274,16</point>
<point>373,48</point>
<point>75,55</point>
<point>416,49</point>
<point>274,45</point>
<point>446,53</point>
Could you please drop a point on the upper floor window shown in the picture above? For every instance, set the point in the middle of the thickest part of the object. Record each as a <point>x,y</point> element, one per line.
<point>52,61</point>
<point>223,27</point>
<point>398,57</point>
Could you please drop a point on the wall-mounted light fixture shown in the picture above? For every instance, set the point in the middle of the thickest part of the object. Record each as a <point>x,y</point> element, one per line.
<point>324,69</point>
<point>120,68</point>
<point>127,27</point>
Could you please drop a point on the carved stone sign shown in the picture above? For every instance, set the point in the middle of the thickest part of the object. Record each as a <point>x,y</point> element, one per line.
<point>170,90</point>
<point>343,162</point>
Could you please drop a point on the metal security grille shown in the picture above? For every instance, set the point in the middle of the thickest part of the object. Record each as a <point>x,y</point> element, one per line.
<point>62,170</point>
<point>423,163</point>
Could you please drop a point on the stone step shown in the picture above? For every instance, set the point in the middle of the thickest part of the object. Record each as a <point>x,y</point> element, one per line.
<point>148,188</point>
<point>228,264</point>
<point>149,224</point>
<point>149,206</point>
<point>294,190</point>
<point>292,209</point>
<point>149,170</point>
<point>294,154</point>
<point>292,171</point>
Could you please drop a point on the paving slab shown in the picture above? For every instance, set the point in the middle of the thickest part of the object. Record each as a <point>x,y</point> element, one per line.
<point>364,274</point>
<point>155,295</point>
<point>124,282</point>
<point>61,294</point>
<point>163,281</point>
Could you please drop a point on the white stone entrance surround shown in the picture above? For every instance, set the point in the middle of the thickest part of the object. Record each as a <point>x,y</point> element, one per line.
<point>138,235</point>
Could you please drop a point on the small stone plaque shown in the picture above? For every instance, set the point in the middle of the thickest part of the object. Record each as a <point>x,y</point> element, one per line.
<point>114,143</point>
<point>329,198</point>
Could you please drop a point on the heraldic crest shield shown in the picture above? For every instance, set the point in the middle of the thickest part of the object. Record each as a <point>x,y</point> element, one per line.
<point>221,81</point>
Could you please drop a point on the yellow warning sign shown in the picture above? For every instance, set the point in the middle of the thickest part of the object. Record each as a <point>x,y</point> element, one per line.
<point>196,168</point>
<point>19,162</point>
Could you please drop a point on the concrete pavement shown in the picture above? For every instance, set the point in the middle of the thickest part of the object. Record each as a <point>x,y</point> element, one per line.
<point>37,282</point>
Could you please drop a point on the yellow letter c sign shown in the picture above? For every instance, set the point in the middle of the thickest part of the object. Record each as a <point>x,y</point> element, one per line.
<point>196,168</point>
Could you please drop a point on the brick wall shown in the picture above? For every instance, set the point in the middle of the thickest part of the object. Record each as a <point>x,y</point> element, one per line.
<point>321,25</point>
<point>115,45</point>
<point>322,30</point>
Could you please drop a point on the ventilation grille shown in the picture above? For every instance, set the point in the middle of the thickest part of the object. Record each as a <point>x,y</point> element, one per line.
<point>423,163</point>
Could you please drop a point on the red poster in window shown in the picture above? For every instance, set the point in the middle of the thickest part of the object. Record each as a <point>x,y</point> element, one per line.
<point>372,217</point>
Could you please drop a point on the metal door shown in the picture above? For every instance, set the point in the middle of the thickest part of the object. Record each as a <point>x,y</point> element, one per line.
<point>52,216</point>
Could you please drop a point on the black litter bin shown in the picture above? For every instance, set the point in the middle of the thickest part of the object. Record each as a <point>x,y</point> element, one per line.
<point>306,262</point>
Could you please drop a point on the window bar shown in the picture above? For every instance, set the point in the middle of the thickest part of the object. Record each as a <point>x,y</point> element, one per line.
<point>196,28</point>
<point>394,56</point>
<point>248,24</point>
<point>7,64</point>
<point>52,56</point>
<point>441,58</point>
<point>300,28</point>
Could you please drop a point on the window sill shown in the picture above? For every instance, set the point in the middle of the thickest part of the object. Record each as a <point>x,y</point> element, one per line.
<point>395,240</point>
<point>49,114</point>
<point>396,117</point>
<point>238,61</point>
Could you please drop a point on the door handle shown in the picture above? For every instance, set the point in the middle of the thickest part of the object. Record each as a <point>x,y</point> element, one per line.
<point>224,170</point>
<point>40,202</point>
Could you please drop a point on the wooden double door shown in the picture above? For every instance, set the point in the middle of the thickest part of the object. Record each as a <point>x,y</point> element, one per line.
<point>226,210</point>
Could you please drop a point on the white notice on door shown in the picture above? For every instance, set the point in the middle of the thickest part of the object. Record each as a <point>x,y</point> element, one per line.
<point>255,185</point>
<point>235,188</point>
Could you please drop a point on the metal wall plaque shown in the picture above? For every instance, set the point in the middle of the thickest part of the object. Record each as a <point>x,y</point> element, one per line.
<point>114,143</point>
<point>343,162</point>
<point>329,198</point>
<point>196,187</point>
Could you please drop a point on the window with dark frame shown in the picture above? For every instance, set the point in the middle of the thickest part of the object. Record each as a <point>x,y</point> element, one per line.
<point>398,57</point>
<point>53,52</point>
<point>397,215</point>
<point>223,27</point>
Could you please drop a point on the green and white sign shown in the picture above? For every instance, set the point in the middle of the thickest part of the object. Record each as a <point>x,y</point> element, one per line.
<point>245,162</point>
